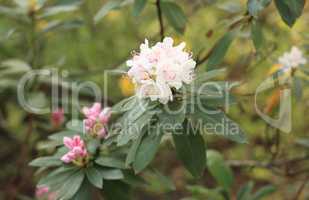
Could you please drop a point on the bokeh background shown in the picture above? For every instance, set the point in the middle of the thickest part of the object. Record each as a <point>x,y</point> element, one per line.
<point>70,41</point>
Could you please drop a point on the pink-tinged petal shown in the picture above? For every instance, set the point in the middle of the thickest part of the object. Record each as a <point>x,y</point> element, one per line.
<point>78,151</point>
<point>66,158</point>
<point>96,108</point>
<point>105,115</point>
<point>76,140</point>
<point>68,142</point>
<point>85,153</point>
<point>102,133</point>
<point>41,191</point>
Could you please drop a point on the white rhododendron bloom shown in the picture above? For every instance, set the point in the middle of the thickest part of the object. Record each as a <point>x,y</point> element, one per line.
<point>157,69</point>
<point>292,59</point>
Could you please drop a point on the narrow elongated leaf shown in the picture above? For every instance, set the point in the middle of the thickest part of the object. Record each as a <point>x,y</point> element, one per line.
<point>290,10</point>
<point>256,6</point>
<point>147,150</point>
<point>218,169</point>
<point>59,9</point>
<point>110,5</point>
<point>245,191</point>
<point>56,178</point>
<point>228,128</point>
<point>263,192</point>
<point>71,185</point>
<point>257,34</point>
<point>219,50</point>
<point>46,162</point>
<point>191,149</point>
<point>84,192</point>
<point>298,88</point>
<point>111,162</point>
<point>175,15</point>
<point>138,7</point>
<point>60,135</point>
<point>133,149</point>
<point>111,174</point>
<point>133,179</point>
<point>205,193</point>
<point>95,177</point>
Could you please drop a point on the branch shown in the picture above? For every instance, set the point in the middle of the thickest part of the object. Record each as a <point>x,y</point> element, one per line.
<point>232,26</point>
<point>301,188</point>
<point>160,18</point>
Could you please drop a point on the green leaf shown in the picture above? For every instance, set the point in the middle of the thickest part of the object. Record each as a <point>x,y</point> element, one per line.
<point>13,67</point>
<point>54,10</point>
<point>60,135</point>
<point>257,34</point>
<point>245,191</point>
<point>56,178</point>
<point>71,185</point>
<point>164,181</point>
<point>147,150</point>
<point>172,114</point>
<point>111,174</point>
<point>219,124</point>
<point>43,145</point>
<point>133,123</point>
<point>93,145</point>
<point>290,10</point>
<point>303,142</point>
<point>133,179</point>
<point>219,170</point>
<point>111,162</point>
<point>46,162</point>
<point>256,6</point>
<point>106,8</point>
<point>95,177</point>
<point>263,192</point>
<point>125,105</point>
<point>220,49</point>
<point>84,191</point>
<point>138,7</point>
<point>175,15</point>
<point>200,192</point>
<point>297,88</point>
<point>133,149</point>
<point>191,149</point>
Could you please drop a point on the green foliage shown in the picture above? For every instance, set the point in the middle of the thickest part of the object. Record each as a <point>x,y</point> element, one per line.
<point>191,149</point>
<point>290,11</point>
<point>219,170</point>
<point>147,149</point>
<point>256,6</point>
<point>110,5</point>
<point>94,177</point>
<point>175,15</point>
<point>138,7</point>
<point>219,50</point>
<point>245,192</point>
<point>257,35</point>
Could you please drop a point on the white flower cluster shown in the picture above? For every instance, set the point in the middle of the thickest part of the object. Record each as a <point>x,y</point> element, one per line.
<point>292,59</point>
<point>156,70</point>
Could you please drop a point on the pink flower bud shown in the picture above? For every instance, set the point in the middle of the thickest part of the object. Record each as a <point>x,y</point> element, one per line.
<point>57,117</point>
<point>76,148</point>
<point>41,191</point>
<point>96,119</point>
